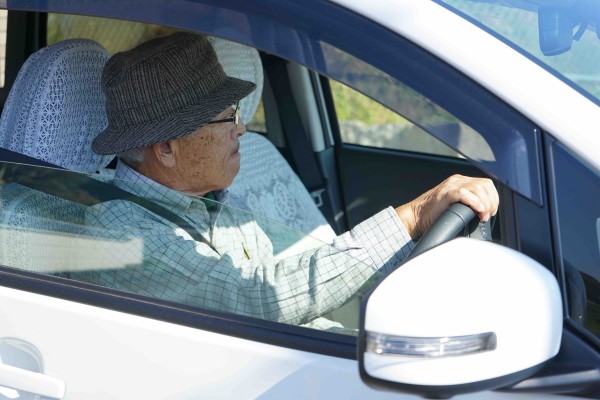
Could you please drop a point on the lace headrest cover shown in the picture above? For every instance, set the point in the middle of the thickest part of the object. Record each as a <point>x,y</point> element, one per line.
<point>56,106</point>
<point>242,62</point>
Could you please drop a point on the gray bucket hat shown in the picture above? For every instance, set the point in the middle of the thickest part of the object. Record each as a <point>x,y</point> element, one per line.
<point>162,90</point>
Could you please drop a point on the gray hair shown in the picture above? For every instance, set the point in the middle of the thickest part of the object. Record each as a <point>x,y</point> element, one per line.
<point>133,157</point>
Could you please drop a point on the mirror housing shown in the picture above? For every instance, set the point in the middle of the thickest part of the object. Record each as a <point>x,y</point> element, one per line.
<point>466,316</point>
<point>555,30</point>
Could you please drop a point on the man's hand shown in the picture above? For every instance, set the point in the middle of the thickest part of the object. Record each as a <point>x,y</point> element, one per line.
<point>477,193</point>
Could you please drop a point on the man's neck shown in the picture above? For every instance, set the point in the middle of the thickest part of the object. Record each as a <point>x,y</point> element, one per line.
<point>168,177</point>
<point>121,173</point>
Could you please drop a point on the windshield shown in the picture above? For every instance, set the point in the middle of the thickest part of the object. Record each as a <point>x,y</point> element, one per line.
<point>561,36</point>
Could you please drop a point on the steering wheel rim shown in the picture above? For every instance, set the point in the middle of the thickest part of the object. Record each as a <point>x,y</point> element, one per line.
<point>457,219</point>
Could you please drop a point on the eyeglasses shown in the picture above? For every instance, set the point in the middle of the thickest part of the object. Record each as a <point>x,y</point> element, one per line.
<point>234,118</point>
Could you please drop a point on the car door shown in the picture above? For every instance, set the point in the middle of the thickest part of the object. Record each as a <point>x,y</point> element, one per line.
<point>93,338</point>
<point>66,335</point>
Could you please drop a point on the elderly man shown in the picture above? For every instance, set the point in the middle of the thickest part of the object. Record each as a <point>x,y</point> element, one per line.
<point>172,122</point>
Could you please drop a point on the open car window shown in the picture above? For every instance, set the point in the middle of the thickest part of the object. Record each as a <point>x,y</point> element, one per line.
<point>155,242</point>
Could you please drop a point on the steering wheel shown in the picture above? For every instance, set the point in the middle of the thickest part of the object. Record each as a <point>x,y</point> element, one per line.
<point>458,219</point>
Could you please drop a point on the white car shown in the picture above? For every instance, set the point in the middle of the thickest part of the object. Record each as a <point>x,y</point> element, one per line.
<point>371,103</point>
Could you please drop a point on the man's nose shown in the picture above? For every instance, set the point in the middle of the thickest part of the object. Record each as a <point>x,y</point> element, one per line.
<point>241,128</point>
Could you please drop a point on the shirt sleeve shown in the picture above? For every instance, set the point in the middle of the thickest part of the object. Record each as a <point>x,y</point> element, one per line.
<point>381,241</point>
<point>294,290</point>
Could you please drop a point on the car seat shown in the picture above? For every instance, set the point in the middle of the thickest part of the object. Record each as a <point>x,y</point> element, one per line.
<point>54,110</point>
<point>56,106</point>
<point>266,182</point>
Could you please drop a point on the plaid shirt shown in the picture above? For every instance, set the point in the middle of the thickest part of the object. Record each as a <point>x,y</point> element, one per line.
<point>238,272</point>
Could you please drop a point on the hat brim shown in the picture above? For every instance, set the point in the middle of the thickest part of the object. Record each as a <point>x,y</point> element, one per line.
<point>180,123</point>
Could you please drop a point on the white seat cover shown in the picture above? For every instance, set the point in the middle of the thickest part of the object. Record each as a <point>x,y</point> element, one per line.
<point>56,106</point>
<point>271,188</point>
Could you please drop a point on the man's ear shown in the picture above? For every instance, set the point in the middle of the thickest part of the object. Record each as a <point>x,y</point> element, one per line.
<point>165,153</point>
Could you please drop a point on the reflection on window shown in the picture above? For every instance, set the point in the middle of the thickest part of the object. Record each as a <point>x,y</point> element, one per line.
<point>577,192</point>
<point>114,35</point>
<point>156,242</point>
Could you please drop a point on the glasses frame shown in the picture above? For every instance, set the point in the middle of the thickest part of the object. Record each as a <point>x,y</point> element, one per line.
<point>235,118</point>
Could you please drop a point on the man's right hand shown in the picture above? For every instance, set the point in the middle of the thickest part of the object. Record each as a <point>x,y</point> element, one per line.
<point>478,193</point>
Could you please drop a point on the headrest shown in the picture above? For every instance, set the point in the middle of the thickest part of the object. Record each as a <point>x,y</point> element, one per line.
<point>56,106</point>
<point>242,62</point>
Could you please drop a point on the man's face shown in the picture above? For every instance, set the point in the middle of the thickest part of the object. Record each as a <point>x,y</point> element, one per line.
<point>209,159</point>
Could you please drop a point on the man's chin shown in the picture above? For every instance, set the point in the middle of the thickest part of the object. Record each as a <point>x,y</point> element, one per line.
<point>235,172</point>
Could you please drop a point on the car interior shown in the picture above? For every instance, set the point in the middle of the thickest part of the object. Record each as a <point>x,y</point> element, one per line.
<point>303,165</point>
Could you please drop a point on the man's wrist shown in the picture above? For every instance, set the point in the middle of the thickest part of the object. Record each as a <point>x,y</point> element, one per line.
<point>407,216</point>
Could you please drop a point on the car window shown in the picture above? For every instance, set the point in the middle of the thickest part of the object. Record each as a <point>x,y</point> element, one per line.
<point>365,122</point>
<point>114,35</point>
<point>152,241</point>
<point>577,191</point>
<point>258,123</point>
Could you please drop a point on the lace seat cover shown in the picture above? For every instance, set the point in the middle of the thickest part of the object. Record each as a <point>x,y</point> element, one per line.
<point>56,106</point>
<point>271,188</point>
<point>54,110</point>
<point>266,182</point>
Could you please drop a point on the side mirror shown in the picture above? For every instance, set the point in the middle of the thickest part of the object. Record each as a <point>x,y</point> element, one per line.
<point>466,316</point>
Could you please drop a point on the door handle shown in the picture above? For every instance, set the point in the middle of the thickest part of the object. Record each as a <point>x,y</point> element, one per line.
<point>33,382</point>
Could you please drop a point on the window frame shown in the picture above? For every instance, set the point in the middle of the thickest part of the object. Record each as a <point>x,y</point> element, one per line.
<point>259,330</point>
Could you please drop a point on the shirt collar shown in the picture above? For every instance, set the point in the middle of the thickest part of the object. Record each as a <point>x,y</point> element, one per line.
<point>129,179</point>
